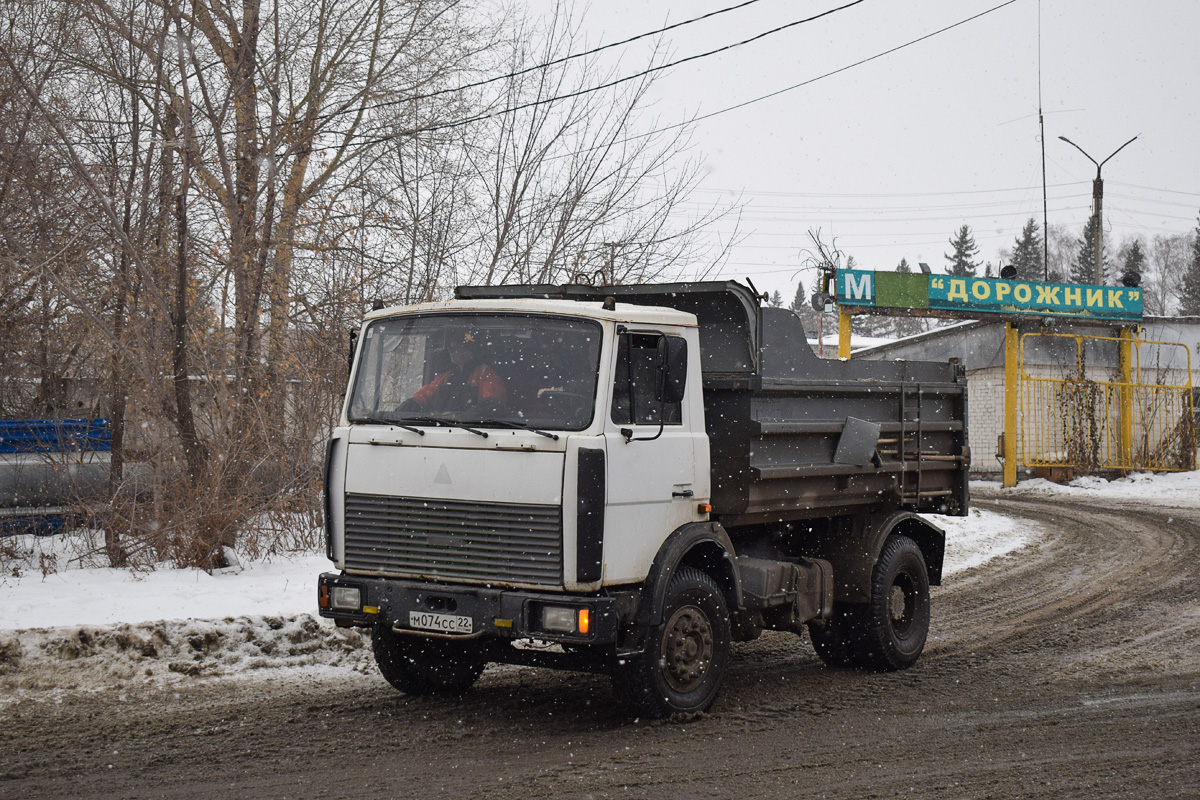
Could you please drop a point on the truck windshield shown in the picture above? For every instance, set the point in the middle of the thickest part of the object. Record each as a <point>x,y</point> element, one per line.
<point>485,370</point>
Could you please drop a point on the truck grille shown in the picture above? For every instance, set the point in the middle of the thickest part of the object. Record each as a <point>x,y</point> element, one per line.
<point>454,540</point>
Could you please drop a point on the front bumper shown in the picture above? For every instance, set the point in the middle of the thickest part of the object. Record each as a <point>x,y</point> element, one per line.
<point>494,613</point>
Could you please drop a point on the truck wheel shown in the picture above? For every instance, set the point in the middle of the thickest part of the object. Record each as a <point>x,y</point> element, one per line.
<point>417,665</point>
<point>685,658</point>
<point>897,618</point>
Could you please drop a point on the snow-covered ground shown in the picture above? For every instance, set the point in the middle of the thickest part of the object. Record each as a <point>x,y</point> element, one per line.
<point>82,626</point>
<point>283,586</point>
<point>67,622</point>
<point>98,596</point>
<point>1169,489</point>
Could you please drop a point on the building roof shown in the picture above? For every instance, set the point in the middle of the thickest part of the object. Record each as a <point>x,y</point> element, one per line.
<point>980,345</point>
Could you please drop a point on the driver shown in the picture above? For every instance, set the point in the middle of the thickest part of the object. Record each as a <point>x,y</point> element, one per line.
<point>469,379</point>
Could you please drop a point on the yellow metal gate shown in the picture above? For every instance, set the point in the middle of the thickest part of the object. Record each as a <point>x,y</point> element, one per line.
<point>1090,417</point>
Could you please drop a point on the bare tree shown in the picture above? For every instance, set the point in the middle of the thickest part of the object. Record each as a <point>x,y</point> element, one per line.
<point>573,192</point>
<point>41,333</point>
<point>1062,246</point>
<point>213,189</point>
<point>1167,262</point>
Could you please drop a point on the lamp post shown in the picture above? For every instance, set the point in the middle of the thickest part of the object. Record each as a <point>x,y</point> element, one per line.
<point>1097,207</point>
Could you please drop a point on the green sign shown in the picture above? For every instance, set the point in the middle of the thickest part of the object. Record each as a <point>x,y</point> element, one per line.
<point>986,296</point>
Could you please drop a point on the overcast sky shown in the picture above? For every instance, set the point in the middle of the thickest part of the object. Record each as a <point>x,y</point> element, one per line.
<point>891,157</point>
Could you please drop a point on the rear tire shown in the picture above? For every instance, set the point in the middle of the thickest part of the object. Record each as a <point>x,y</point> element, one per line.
<point>686,656</point>
<point>889,632</point>
<point>897,618</point>
<point>422,666</point>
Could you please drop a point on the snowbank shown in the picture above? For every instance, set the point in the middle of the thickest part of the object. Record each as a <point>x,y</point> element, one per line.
<point>80,595</point>
<point>284,586</point>
<point>1168,489</point>
<point>84,626</point>
<point>979,537</point>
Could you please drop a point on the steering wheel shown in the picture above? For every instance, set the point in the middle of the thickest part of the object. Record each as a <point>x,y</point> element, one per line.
<point>575,402</point>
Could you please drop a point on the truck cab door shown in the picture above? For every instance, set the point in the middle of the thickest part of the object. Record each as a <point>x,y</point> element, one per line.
<point>653,443</point>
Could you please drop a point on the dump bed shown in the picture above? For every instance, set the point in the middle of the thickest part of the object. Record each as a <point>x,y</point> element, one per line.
<point>793,436</point>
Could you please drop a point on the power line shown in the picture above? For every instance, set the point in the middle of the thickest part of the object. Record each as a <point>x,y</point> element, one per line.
<point>901,195</point>
<point>819,77</point>
<point>884,217</point>
<point>859,209</point>
<point>1152,189</point>
<point>517,73</point>
<point>609,84</point>
<point>545,65</point>
<point>898,194</point>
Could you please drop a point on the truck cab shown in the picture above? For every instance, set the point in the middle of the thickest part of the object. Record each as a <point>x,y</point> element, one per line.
<point>527,475</point>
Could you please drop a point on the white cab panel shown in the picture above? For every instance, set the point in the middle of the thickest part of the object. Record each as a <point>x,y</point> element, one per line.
<point>655,481</point>
<point>437,469</point>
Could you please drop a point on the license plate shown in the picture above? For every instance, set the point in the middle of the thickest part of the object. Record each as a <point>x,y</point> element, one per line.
<point>445,623</point>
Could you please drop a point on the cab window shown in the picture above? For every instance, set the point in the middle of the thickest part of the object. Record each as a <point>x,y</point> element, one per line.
<point>638,374</point>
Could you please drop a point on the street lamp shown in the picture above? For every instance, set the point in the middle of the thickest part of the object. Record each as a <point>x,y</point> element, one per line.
<point>1097,206</point>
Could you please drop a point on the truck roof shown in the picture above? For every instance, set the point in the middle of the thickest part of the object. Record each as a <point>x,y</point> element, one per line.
<point>728,315</point>
<point>742,343</point>
<point>622,312</point>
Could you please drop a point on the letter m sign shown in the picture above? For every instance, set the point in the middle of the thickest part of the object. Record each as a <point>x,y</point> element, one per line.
<point>858,287</point>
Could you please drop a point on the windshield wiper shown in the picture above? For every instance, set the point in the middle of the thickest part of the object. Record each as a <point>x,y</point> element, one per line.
<point>445,423</point>
<point>383,421</point>
<point>510,423</point>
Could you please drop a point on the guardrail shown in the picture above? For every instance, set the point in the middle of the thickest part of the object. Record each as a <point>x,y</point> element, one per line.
<point>47,468</point>
<point>55,436</point>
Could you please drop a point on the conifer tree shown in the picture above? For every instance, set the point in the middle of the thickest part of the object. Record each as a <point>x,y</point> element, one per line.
<point>1189,293</point>
<point>962,260</point>
<point>799,302</point>
<point>1082,271</point>
<point>1134,261</point>
<point>903,266</point>
<point>1027,252</point>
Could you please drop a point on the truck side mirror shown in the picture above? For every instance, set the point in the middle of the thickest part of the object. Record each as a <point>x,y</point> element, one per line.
<point>672,370</point>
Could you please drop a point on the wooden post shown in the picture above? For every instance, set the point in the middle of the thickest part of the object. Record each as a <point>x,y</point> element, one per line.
<point>1012,377</point>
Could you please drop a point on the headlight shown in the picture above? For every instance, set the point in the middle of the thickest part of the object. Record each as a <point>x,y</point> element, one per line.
<point>566,620</point>
<point>556,618</point>
<point>347,597</point>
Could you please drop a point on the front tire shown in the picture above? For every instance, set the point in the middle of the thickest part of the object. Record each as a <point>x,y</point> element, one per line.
<point>686,655</point>
<point>422,666</point>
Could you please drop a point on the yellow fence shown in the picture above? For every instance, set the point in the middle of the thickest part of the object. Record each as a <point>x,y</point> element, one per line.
<point>1092,417</point>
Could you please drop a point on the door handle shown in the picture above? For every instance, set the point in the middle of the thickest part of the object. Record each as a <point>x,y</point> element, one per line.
<point>682,493</point>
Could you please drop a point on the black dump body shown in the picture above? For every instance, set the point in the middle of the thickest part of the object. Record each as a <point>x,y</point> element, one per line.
<point>794,436</point>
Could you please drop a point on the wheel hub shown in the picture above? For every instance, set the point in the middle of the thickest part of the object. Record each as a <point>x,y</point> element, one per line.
<point>897,603</point>
<point>687,648</point>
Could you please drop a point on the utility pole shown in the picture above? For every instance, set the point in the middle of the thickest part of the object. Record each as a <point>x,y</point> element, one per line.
<point>1098,229</point>
<point>1125,404</point>
<point>1097,210</point>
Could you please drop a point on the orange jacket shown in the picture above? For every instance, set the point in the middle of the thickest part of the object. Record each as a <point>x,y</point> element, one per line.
<point>486,381</point>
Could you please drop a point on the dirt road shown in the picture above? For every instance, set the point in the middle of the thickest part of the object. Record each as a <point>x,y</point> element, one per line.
<point>1070,670</point>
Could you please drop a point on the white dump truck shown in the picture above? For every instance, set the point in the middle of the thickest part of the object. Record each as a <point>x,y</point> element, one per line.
<point>626,479</point>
